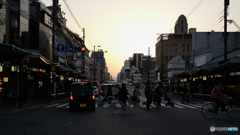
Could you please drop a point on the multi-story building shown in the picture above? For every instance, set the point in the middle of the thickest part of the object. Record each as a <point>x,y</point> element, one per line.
<point>208,47</point>
<point>99,56</point>
<point>97,70</point>
<point>170,45</point>
<point>14,22</point>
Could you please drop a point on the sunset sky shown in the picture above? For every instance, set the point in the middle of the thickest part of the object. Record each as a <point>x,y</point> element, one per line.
<point>124,27</point>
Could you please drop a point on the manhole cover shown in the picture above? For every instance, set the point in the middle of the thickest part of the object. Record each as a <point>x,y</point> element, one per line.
<point>36,123</point>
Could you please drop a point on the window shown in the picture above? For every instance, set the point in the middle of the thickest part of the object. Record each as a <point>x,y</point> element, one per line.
<point>175,47</point>
<point>166,59</point>
<point>181,25</point>
<point>170,58</point>
<point>188,47</point>
<point>183,47</point>
<point>183,57</point>
<point>171,48</point>
<point>166,48</point>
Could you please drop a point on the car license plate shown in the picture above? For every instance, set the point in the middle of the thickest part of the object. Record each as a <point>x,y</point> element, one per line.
<point>82,105</point>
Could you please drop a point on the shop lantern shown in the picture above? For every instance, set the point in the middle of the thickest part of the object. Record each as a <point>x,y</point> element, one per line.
<point>26,59</point>
<point>67,73</point>
<point>40,70</point>
<point>52,68</point>
<point>1,68</point>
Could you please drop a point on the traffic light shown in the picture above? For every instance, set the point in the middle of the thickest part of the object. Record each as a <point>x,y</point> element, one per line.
<point>83,49</point>
<point>80,49</point>
<point>138,71</point>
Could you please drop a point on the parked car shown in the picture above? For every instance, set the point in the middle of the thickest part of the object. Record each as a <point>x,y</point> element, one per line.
<point>81,96</point>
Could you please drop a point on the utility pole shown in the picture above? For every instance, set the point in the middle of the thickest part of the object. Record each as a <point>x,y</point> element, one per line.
<point>54,18</point>
<point>94,64</point>
<point>226,3</point>
<point>83,65</point>
<point>54,29</point>
<point>148,61</point>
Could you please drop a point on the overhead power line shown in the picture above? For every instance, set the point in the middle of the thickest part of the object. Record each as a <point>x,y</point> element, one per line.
<point>198,4</point>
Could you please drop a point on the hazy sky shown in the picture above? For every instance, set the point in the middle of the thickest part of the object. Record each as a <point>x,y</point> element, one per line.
<point>124,27</point>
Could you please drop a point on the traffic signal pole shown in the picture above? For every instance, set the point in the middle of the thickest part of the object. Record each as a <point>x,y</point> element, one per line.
<point>83,52</point>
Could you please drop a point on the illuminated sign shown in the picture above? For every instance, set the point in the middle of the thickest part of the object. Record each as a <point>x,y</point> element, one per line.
<point>232,73</point>
<point>30,77</point>
<point>237,73</point>
<point>5,79</point>
<point>1,68</point>
<point>204,78</point>
<point>218,75</point>
<point>185,79</point>
<point>35,69</point>
<point>193,79</point>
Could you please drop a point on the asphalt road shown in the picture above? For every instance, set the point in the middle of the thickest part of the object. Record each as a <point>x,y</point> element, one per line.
<point>57,119</point>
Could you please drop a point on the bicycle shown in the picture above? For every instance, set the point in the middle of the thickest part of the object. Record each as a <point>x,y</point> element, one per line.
<point>191,98</point>
<point>233,109</point>
<point>110,99</point>
<point>117,106</point>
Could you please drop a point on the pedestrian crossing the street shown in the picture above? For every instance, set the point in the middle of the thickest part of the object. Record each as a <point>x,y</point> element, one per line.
<point>176,105</point>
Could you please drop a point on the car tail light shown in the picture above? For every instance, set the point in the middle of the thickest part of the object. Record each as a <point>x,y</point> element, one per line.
<point>71,97</point>
<point>82,83</point>
<point>93,97</point>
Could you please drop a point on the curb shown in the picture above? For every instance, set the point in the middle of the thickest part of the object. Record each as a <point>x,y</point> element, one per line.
<point>29,108</point>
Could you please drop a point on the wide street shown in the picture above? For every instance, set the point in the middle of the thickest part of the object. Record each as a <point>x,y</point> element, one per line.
<point>57,119</point>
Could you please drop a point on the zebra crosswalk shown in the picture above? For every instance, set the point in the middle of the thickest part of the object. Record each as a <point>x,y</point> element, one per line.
<point>176,105</point>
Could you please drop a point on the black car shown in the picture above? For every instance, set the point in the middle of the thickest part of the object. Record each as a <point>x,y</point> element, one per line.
<point>104,89</point>
<point>81,96</point>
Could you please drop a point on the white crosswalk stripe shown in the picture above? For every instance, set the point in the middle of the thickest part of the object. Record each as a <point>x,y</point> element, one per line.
<point>186,105</point>
<point>62,105</point>
<point>176,105</point>
<point>52,105</point>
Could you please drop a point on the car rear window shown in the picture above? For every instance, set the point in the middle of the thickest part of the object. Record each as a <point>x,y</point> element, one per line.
<point>105,87</point>
<point>82,88</point>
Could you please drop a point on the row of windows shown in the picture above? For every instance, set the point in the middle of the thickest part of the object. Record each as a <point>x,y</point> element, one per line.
<point>175,48</point>
<point>47,20</point>
<point>183,57</point>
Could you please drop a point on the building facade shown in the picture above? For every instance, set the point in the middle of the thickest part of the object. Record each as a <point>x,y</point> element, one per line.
<point>170,45</point>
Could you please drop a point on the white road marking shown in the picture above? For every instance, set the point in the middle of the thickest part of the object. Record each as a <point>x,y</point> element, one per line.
<point>62,105</point>
<point>186,105</point>
<point>52,105</point>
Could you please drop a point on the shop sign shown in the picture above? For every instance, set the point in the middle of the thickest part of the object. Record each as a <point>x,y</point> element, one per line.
<point>237,73</point>
<point>232,73</point>
<point>185,79</point>
<point>5,79</point>
<point>181,80</point>
<point>1,68</point>
<point>67,73</point>
<point>194,79</point>
<point>29,72</point>
<point>218,75</point>
<point>52,68</point>
<point>35,69</point>
<point>26,59</point>
<point>204,78</point>
<point>6,62</point>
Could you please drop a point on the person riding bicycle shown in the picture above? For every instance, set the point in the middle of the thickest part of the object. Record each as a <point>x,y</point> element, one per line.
<point>123,92</point>
<point>216,97</point>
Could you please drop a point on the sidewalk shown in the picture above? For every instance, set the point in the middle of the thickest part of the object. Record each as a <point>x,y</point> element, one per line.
<point>7,108</point>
